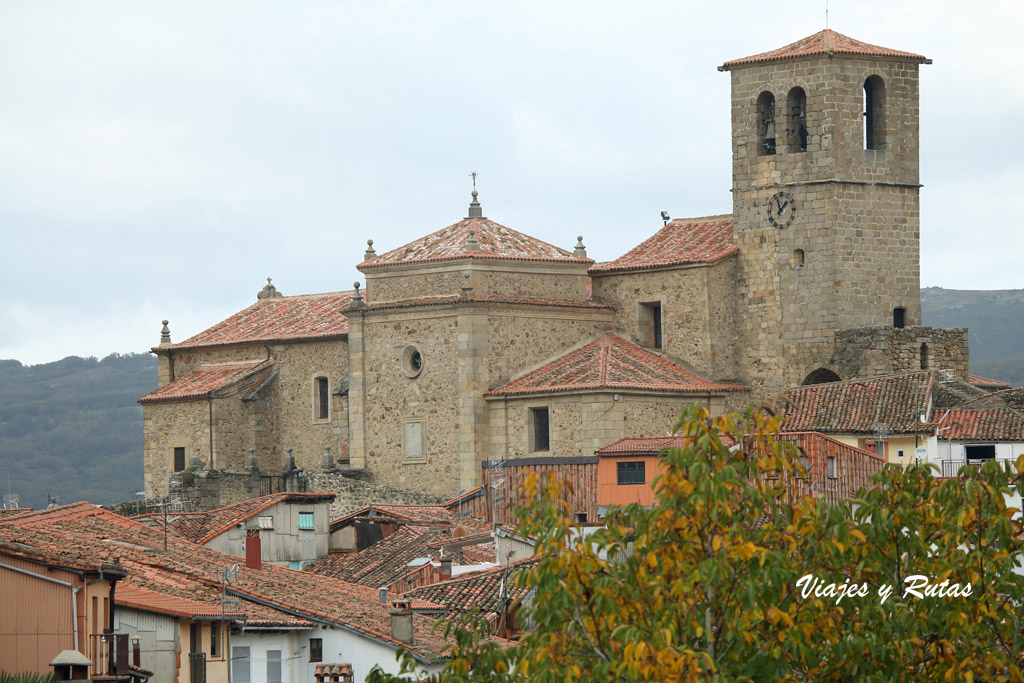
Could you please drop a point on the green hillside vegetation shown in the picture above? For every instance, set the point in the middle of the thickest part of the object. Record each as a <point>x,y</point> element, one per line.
<point>995,322</point>
<point>73,428</point>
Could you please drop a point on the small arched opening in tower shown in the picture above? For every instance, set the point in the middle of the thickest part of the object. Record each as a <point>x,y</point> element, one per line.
<point>766,124</point>
<point>821,376</point>
<point>796,124</point>
<point>874,113</point>
<point>925,360</point>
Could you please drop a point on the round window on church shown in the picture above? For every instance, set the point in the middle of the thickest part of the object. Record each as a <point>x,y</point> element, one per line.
<point>412,361</point>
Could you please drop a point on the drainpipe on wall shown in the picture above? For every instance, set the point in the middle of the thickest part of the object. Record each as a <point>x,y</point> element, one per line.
<point>210,401</point>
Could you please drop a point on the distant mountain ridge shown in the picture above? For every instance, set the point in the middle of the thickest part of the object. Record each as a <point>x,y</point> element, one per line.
<point>73,428</point>
<point>995,322</point>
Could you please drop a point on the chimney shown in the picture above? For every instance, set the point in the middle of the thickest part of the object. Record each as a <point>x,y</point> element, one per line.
<point>401,621</point>
<point>253,549</point>
<point>446,568</point>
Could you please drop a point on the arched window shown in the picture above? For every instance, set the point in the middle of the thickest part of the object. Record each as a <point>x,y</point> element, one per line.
<point>796,120</point>
<point>766,124</point>
<point>821,376</point>
<point>899,317</point>
<point>796,259</point>
<point>925,360</point>
<point>874,113</point>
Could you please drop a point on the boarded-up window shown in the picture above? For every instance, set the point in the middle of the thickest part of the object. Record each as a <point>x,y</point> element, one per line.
<point>414,452</point>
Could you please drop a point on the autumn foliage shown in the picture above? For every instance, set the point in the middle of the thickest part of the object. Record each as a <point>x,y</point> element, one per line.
<point>704,586</point>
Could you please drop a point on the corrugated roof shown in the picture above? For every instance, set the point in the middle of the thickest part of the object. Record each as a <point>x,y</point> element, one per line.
<point>288,318</point>
<point>827,42</point>
<point>682,241</point>
<point>612,363</point>
<point>495,241</point>
<point>205,381</point>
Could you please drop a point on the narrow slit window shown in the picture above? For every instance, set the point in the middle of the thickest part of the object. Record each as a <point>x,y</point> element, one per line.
<point>323,398</point>
<point>925,360</point>
<point>650,332</point>
<point>540,428</point>
<point>874,113</point>
<point>179,458</point>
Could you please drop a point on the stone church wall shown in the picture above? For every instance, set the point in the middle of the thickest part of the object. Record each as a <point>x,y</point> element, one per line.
<point>554,282</point>
<point>167,426</point>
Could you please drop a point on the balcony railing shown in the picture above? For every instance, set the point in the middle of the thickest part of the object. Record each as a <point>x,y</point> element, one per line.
<point>951,468</point>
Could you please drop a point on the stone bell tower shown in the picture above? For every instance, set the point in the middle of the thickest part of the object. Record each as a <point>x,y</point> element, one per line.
<point>825,200</point>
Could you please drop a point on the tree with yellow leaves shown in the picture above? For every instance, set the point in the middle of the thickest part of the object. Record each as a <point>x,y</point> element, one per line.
<point>732,576</point>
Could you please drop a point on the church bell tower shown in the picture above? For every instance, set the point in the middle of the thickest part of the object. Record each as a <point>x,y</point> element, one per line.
<point>825,200</point>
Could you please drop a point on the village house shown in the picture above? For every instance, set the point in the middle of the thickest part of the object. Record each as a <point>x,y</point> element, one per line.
<point>478,343</point>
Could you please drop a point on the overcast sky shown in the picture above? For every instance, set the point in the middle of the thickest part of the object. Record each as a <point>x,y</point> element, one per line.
<point>161,159</point>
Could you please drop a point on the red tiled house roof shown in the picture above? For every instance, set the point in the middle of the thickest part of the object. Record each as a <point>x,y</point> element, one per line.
<point>203,527</point>
<point>288,318</point>
<point>612,363</point>
<point>642,444</point>
<point>986,383</point>
<point>82,531</point>
<point>859,405</point>
<point>479,589</point>
<point>495,242</point>
<point>434,515</point>
<point>994,424</point>
<point>683,241</point>
<point>827,42</point>
<point>384,562</point>
<point>208,380</point>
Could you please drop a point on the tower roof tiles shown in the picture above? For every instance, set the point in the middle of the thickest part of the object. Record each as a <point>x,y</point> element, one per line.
<point>827,42</point>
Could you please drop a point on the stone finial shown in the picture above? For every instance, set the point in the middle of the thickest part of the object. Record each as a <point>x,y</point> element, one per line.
<point>471,243</point>
<point>357,298</point>
<point>370,253</point>
<point>289,462</point>
<point>581,249</point>
<point>328,460</point>
<point>467,289</point>
<point>269,291</point>
<point>165,335</point>
<point>475,210</point>
<point>253,464</point>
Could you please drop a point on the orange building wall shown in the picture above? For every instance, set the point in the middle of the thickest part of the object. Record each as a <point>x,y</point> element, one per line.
<point>609,492</point>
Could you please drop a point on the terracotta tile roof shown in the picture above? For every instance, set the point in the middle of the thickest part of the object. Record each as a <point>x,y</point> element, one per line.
<point>995,424</point>
<point>288,318</point>
<point>682,241</point>
<point>207,380</point>
<point>203,527</point>
<point>442,514</point>
<point>85,532</point>
<point>509,300</point>
<point>827,42</point>
<point>495,242</point>
<point>611,363</point>
<point>986,383</point>
<point>138,597</point>
<point>384,562</point>
<point>479,589</point>
<point>858,405</point>
<point>642,444</point>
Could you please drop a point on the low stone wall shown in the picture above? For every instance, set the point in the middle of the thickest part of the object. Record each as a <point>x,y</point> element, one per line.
<point>353,493</point>
<point>872,351</point>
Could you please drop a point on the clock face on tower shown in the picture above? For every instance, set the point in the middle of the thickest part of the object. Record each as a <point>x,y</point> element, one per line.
<point>781,209</point>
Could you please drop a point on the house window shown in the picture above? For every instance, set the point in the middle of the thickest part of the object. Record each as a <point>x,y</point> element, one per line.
<point>805,462</point>
<point>306,521</point>
<point>831,465</point>
<point>321,398</point>
<point>412,442</point>
<point>179,458</point>
<point>265,522</point>
<point>215,639</point>
<point>874,113</point>
<point>899,317</point>
<point>295,565</point>
<point>240,665</point>
<point>631,472</point>
<point>273,666</point>
<point>316,649</point>
<point>766,124</point>
<point>980,451</point>
<point>540,436</point>
<point>649,333</point>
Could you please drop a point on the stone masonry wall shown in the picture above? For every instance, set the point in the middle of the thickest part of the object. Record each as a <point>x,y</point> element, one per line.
<point>166,426</point>
<point>488,277</point>
<point>869,351</point>
<point>697,311</point>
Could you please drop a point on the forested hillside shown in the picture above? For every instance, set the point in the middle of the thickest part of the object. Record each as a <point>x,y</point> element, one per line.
<point>73,429</point>
<point>995,320</point>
